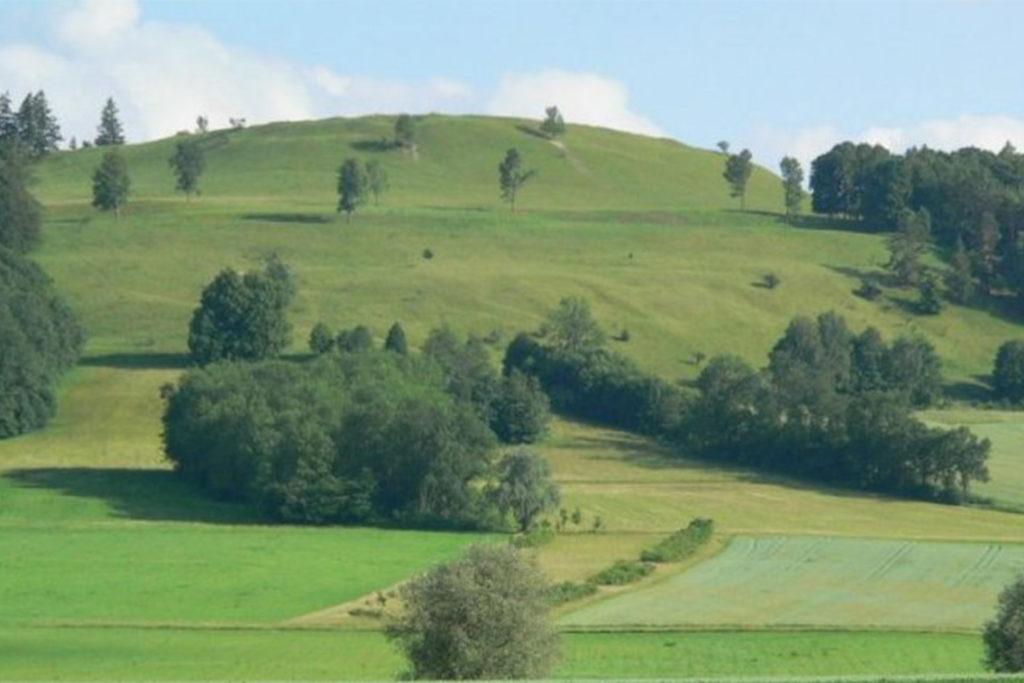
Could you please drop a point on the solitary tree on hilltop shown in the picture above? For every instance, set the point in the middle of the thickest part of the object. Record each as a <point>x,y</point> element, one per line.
<point>352,187</point>
<point>723,146</point>
<point>737,172</point>
<point>792,185</point>
<point>188,164</point>
<point>110,183</point>
<point>553,124</point>
<point>512,177</point>
<point>110,131</point>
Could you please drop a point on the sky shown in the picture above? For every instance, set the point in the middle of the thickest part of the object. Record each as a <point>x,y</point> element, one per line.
<point>778,77</point>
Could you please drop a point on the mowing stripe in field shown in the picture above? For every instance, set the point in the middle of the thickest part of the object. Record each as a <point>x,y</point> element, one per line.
<point>828,582</point>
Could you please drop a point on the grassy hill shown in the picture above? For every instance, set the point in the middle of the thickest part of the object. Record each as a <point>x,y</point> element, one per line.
<point>645,229</point>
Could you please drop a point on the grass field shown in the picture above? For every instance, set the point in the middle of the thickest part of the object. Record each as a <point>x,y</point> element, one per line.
<point>822,582</point>
<point>107,543</point>
<point>176,654</point>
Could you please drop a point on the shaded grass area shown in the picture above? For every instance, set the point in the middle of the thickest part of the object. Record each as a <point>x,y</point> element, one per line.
<point>173,654</point>
<point>821,582</point>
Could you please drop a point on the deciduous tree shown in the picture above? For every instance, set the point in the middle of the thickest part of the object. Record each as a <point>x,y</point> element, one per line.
<point>512,176</point>
<point>352,187</point>
<point>738,168</point>
<point>111,183</point>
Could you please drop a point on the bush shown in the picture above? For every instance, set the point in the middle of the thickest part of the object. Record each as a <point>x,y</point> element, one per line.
<point>484,616</point>
<point>535,537</point>
<point>1004,635</point>
<point>868,290</point>
<point>359,338</point>
<point>242,317</point>
<point>321,339</point>
<point>567,591</point>
<point>396,341</point>
<point>344,438</point>
<point>681,544</point>
<point>621,573</point>
<point>771,280</point>
<point>1008,371</point>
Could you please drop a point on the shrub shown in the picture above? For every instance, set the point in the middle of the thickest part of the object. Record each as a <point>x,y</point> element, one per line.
<point>771,280</point>
<point>359,338</point>
<point>396,341</point>
<point>621,573</point>
<point>535,537</point>
<point>321,339</point>
<point>568,591</point>
<point>681,544</point>
<point>868,290</point>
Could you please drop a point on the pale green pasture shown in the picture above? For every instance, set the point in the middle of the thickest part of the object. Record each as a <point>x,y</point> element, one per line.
<point>821,582</point>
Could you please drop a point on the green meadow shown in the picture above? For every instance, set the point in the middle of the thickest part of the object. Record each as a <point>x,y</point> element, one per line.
<point>114,568</point>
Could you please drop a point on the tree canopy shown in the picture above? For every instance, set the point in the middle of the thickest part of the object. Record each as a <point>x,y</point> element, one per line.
<point>242,317</point>
<point>484,616</point>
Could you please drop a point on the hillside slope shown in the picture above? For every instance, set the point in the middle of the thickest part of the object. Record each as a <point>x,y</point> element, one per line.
<point>455,166</point>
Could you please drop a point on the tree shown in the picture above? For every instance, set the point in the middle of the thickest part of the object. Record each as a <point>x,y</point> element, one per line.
<point>484,616</point>
<point>188,164</point>
<point>321,339</point>
<point>110,183</point>
<point>737,172</point>
<point>907,245</point>
<point>929,302</point>
<point>359,338</point>
<point>8,121</point>
<point>1008,371</point>
<point>521,410</point>
<point>524,488</point>
<point>242,317</point>
<point>512,177</point>
<point>376,179</point>
<point>553,124</point>
<point>202,124</point>
<point>396,341</point>
<point>352,186</point>
<point>723,146</point>
<point>1004,634</point>
<point>960,278</point>
<point>38,130</point>
<point>20,213</point>
<point>109,131</point>
<point>792,185</point>
<point>572,328</point>
<point>405,131</point>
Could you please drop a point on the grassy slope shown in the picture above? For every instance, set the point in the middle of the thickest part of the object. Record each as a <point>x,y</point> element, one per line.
<point>644,228</point>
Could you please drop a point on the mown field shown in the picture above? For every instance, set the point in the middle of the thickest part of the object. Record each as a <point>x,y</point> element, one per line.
<point>120,570</point>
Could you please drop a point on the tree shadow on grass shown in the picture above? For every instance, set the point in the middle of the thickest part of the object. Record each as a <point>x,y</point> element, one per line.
<point>307,218</point>
<point>139,361</point>
<point>144,495</point>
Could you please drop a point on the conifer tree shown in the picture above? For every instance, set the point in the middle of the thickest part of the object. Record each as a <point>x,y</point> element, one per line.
<point>110,131</point>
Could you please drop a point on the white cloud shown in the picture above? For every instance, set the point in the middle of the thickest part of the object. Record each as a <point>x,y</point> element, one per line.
<point>581,97</point>
<point>989,132</point>
<point>164,75</point>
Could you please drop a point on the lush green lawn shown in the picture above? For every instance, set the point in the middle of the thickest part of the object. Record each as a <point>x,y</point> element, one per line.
<point>163,654</point>
<point>822,582</point>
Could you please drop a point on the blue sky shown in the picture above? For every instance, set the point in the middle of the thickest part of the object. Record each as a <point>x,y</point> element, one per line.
<point>779,77</point>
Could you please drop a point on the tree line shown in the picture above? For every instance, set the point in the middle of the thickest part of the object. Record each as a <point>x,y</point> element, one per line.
<point>831,406</point>
<point>40,337</point>
<point>968,202</point>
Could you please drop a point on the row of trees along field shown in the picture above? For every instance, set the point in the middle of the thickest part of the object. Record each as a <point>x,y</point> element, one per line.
<point>831,405</point>
<point>40,337</point>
